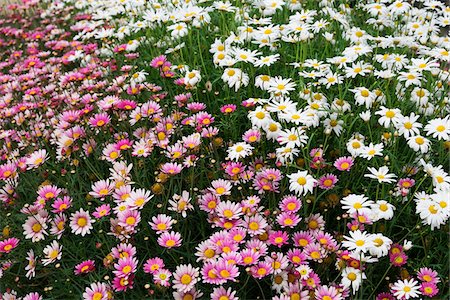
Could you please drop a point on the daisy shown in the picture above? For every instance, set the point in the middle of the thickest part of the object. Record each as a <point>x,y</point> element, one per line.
<point>36,159</point>
<point>99,120</point>
<point>363,96</point>
<point>408,125</point>
<point>125,267</point>
<point>371,151</point>
<point>278,238</point>
<point>419,143</point>
<point>290,204</point>
<point>102,188</point>
<point>31,265</point>
<point>259,117</point>
<point>255,224</point>
<point>178,30</point>
<point>52,253</point>
<point>234,77</point>
<point>152,265</point>
<point>266,60</point>
<point>35,228</point>
<point>84,267</point>
<point>353,278</point>
<point>162,277</point>
<point>185,277</point>
<point>358,241</point>
<point>6,246</point>
<point>381,245</point>
<point>171,168</point>
<point>81,222</point>
<point>439,128</point>
<point>410,78</point>
<point>405,289</point>
<point>356,203</point>
<point>96,291</point>
<point>181,204</point>
<point>220,293</point>
<point>330,79</point>
<point>382,174</point>
<point>382,210</point>
<point>280,86</point>
<point>388,116</point>
<point>429,289</point>
<point>301,182</point>
<point>344,163</point>
<point>327,181</point>
<point>239,150</point>
<point>102,211</point>
<point>327,293</point>
<point>332,124</point>
<point>170,239</point>
<point>291,138</point>
<point>220,187</point>
<point>161,223</point>
<point>428,275</point>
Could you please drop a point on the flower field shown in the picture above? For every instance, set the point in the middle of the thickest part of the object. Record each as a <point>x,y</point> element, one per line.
<point>198,149</point>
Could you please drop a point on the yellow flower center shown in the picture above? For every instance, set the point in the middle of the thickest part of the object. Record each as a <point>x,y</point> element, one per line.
<point>301,180</point>
<point>351,276</point>
<point>186,279</point>
<point>82,222</point>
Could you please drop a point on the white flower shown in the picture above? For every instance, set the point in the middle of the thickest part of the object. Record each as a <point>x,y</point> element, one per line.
<point>405,289</point>
<point>192,77</point>
<point>372,150</point>
<point>381,245</point>
<point>352,277</point>
<point>419,143</point>
<point>52,253</point>
<point>293,137</point>
<point>439,128</point>
<point>301,182</point>
<point>382,174</point>
<point>388,116</point>
<point>239,150</point>
<point>259,117</point>
<point>358,241</point>
<point>280,86</point>
<point>356,203</point>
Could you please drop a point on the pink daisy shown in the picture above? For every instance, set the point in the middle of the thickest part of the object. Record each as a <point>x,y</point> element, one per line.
<point>428,275</point>
<point>170,239</point>
<point>185,277</point>
<point>327,293</point>
<point>327,181</point>
<point>171,168</point>
<point>96,291</point>
<point>125,267</point>
<point>278,238</point>
<point>162,277</point>
<point>123,250</point>
<point>61,205</point>
<point>84,267</point>
<point>290,203</point>
<point>344,163</point>
<point>288,219</point>
<point>262,269</point>
<point>227,108</point>
<point>429,289</point>
<point>102,211</point>
<point>81,222</point>
<point>8,245</point>
<point>99,120</point>
<point>152,265</point>
<point>161,223</point>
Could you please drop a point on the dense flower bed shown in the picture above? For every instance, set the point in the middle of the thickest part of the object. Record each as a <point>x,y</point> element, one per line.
<point>223,150</point>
